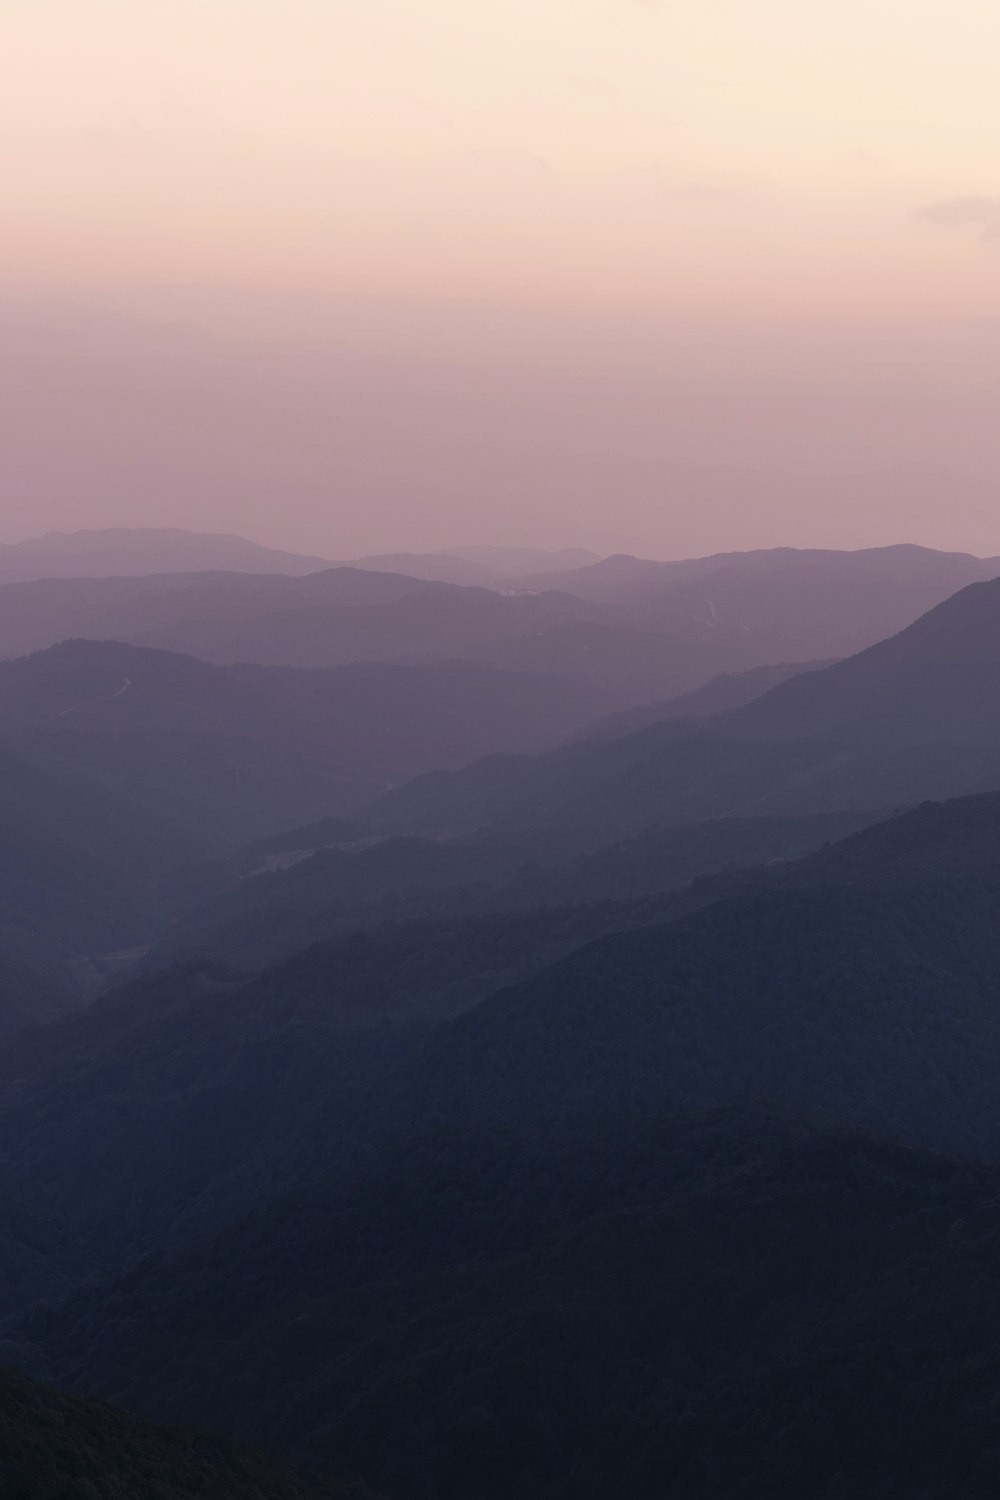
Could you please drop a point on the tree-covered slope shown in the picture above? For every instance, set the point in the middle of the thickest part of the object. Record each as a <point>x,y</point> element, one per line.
<point>224,755</point>
<point>57,1447</point>
<point>251,923</point>
<point>737,1305</point>
<point>455,1183</point>
<point>76,880</point>
<point>912,718</point>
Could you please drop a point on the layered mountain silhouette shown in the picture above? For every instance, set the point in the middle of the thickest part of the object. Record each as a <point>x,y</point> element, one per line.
<point>224,754</point>
<point>638,632</point>
<point>142,550</point>
<point>777,965</point>
<point>914,717</point>
<point>794,603</point>
<point>127,550</point>
<point>598,1178</point>
<point>346,615</point>
<point>512,1040</point>
<point>123,768</point>
<point>722,694</point>
<point>251,923</point>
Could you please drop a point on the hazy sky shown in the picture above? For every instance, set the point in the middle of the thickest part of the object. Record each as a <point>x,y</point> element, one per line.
<point>657,275</point>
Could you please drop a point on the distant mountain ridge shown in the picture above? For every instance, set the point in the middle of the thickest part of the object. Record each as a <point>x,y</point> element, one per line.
<point>916,716</point>
<point>345,615</point>
<point>134,551</point>
<point>638,632</point>
<point>797,603</point>
<point>137,551</point>
<point>526,561</point>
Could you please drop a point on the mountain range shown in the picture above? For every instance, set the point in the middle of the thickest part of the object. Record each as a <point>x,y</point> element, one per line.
<point>125,551</point>
<point>910,718</point>
<point>635,631</point>
<point>546,1045</point>
<point>231,753</point>
<point>124,767</point>
<point>343,616</point>
<point>796,603</point>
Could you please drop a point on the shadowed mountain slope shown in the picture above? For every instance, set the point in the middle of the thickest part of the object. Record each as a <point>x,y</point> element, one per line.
<point>721,695</point>
<point>914,717</point>
<point>78,867</point>
<point>739,1305</point>
<point>857,985</point>
<point>57,1447</point>
<point>382,1206</point>
<point>227,754</point>
<point>254,922</point>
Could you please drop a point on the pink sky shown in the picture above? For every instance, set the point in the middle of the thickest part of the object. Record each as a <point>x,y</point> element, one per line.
<point>354,275</point>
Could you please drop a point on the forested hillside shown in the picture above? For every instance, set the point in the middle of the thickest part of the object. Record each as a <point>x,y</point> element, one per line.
<point>257,921</point>
<point>739,1304</point>
<point>55,1448</point>
<point>523,1158</point>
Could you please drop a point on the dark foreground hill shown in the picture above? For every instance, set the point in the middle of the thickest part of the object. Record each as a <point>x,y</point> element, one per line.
<point>914,717</point>
<point>856,986</point>
<point>56,1447</point>
<point>665,1213</point>
<point>737,1306</point>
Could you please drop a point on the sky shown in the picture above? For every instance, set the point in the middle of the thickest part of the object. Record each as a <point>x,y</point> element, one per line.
<point>662,276</point>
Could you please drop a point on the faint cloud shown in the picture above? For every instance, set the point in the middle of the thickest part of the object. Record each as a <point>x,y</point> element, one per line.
<point>975,212</point>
